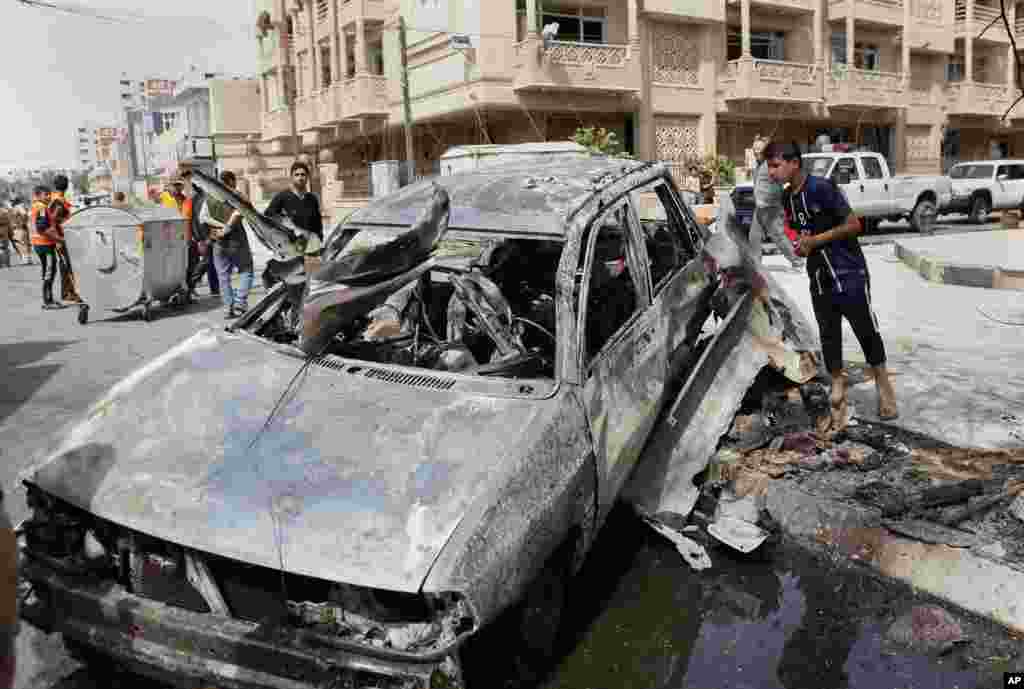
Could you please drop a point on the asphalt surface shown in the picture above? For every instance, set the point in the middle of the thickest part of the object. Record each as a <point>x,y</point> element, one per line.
<point>644,621</point>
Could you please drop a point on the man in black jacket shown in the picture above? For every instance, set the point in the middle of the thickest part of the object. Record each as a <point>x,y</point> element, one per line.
<point>298,203</point>
<point>840,283</point>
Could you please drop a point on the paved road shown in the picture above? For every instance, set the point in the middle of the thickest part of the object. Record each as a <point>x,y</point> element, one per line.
<point>53,369</point>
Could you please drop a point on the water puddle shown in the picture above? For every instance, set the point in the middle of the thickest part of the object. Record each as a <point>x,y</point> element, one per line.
<point>787,620</point>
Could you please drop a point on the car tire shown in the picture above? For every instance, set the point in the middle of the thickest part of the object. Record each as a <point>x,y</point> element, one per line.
<point>922,219</point>
<point>980,209</point>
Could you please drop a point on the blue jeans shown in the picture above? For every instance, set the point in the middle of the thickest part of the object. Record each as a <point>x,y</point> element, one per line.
<point>225,263</point>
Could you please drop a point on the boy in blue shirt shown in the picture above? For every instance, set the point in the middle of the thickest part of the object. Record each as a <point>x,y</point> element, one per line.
<point>840,283</point>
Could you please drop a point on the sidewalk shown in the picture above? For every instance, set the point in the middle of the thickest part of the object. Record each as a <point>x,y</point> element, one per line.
<point>959,380</point>
<point>991,259</point>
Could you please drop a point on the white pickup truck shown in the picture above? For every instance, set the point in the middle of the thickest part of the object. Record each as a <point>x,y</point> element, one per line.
<point>980,187</point>
<point>875,195</point>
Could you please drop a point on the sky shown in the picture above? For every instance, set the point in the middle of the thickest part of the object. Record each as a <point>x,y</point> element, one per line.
<point>60,70</point>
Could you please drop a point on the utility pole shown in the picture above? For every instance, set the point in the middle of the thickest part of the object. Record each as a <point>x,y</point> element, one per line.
<point>410,155</point>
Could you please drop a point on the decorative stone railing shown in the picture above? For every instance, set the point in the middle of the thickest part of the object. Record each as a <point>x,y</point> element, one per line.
<point>602,55</point>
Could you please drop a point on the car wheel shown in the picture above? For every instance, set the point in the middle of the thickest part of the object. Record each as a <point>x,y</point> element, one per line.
<point>980,208</point>
<point>922,219</point>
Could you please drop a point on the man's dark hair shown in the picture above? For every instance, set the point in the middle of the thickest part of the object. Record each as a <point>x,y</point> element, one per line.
<point>228,177</point>
<point>299,165</point>
<point>41,189</point>
<point>119,196</point>
<point>788,152</point>
<point>60,183</point>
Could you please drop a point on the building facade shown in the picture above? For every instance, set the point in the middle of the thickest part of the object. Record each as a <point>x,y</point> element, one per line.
<point>922,81</point>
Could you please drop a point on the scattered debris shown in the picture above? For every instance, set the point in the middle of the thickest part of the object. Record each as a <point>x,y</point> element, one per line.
<point>694,553</point>
<point>961,463</point>
<point>738,533</point>
<point>887,497</point>
<point>996,550</point>
<point>930,532</point>
<point>1017,508</point>
<point>928,629</point>
<point>982,503</point>
<point>750,432</point>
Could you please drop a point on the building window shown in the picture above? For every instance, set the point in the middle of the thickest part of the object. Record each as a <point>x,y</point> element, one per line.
<point>578,25</point>
<point>322,8</point>
<point>764,45</point>
<point>325,66</point>
<point>956,69</point>
<point>375,57</point>
<point>350,52</point>
<point>865,55</point>
<point>300,75</point>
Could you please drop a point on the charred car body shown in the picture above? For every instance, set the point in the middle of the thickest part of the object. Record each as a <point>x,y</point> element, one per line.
<point>255,512</point>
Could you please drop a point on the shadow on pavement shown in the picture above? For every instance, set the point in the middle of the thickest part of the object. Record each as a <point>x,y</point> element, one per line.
<point>21,379</point>
<point>159,311</point>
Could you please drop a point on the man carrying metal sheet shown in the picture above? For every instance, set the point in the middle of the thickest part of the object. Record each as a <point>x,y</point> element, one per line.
<point>231,249</point>
<point>60,210</point>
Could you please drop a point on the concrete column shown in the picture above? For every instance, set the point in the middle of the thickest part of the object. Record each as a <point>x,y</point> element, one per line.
<point>816,31</point>
<point>633,19</point>
<point>343,53</point>
<point>969,45</point>
<point>745,27</point>
<point>531,19</point>
<point>336,61</point>
<point>850,25</point>
<point>360,46</point>
<point>314,56</point>
<point>905,44</point>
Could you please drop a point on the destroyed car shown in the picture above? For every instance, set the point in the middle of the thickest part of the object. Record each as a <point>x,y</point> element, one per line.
<point>242,513</point>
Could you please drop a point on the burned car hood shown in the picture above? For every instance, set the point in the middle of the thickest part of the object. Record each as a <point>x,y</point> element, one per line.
<point>351,479</point>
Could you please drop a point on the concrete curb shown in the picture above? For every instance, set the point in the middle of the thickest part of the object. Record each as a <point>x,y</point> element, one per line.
<point>946,273</point>
<point>969,578</point>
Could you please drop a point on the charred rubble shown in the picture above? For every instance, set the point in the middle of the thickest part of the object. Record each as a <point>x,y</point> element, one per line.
<point>490,315</point>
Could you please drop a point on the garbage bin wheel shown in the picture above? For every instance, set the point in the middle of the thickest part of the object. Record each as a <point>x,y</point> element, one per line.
<point>83,314</point>
<point>147,313</point>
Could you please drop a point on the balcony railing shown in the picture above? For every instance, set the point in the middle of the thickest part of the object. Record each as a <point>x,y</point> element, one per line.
<point>982,13</point>
<point>1018,26</point>
<point>975,98</point>
<point>569,65</point>
<point>767,80</point>
<point>276,124</point>
<point>566,53</point>
<point>865,87</point>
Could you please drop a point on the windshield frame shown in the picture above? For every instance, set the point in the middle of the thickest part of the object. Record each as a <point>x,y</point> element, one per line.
<point>810,160</point>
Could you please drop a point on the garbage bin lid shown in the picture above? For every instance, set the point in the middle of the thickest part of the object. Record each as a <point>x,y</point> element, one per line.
<point>108,216</point>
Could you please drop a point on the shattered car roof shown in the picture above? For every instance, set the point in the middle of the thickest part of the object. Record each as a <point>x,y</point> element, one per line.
<point>528,198</point>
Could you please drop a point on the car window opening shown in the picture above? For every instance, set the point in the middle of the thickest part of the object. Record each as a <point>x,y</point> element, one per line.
<point>487,308</point>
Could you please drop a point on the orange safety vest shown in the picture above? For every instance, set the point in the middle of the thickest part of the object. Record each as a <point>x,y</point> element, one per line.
<point>38,238</point>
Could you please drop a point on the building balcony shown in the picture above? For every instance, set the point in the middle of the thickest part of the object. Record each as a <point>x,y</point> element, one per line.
<point>771,80</point>
<point>364,95</point>
<point>373,10</point>
<point>569,66</point>
<point>977,99</point>
<point>983,16</point>
<point>276,125</point>
<point>779,5</point>
<point>879,12</point>
<point>672,10</point>
<point>864,88</point>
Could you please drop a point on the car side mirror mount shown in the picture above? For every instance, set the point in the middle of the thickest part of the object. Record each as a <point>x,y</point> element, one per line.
<point>1002,178</point>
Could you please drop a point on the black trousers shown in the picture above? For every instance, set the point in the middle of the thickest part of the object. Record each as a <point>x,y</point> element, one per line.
<point>853,303</point>
<point>48,264</point>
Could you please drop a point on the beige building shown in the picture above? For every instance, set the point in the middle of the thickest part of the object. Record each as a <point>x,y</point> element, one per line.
<point>915,79</point>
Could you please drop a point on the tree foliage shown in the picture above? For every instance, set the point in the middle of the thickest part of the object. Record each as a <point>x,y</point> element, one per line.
<point>599,140</point>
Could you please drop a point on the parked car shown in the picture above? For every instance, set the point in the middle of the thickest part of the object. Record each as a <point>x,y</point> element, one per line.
<point>980,187</point>
<point>237,513</point>
<point>872,191</point>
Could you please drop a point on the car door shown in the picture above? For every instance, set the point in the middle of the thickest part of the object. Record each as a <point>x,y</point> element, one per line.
<point>876,189</point>
<point>854,188</point>
<point>1002,188</point>
<point>623,367</point>
<point>680,284</point>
